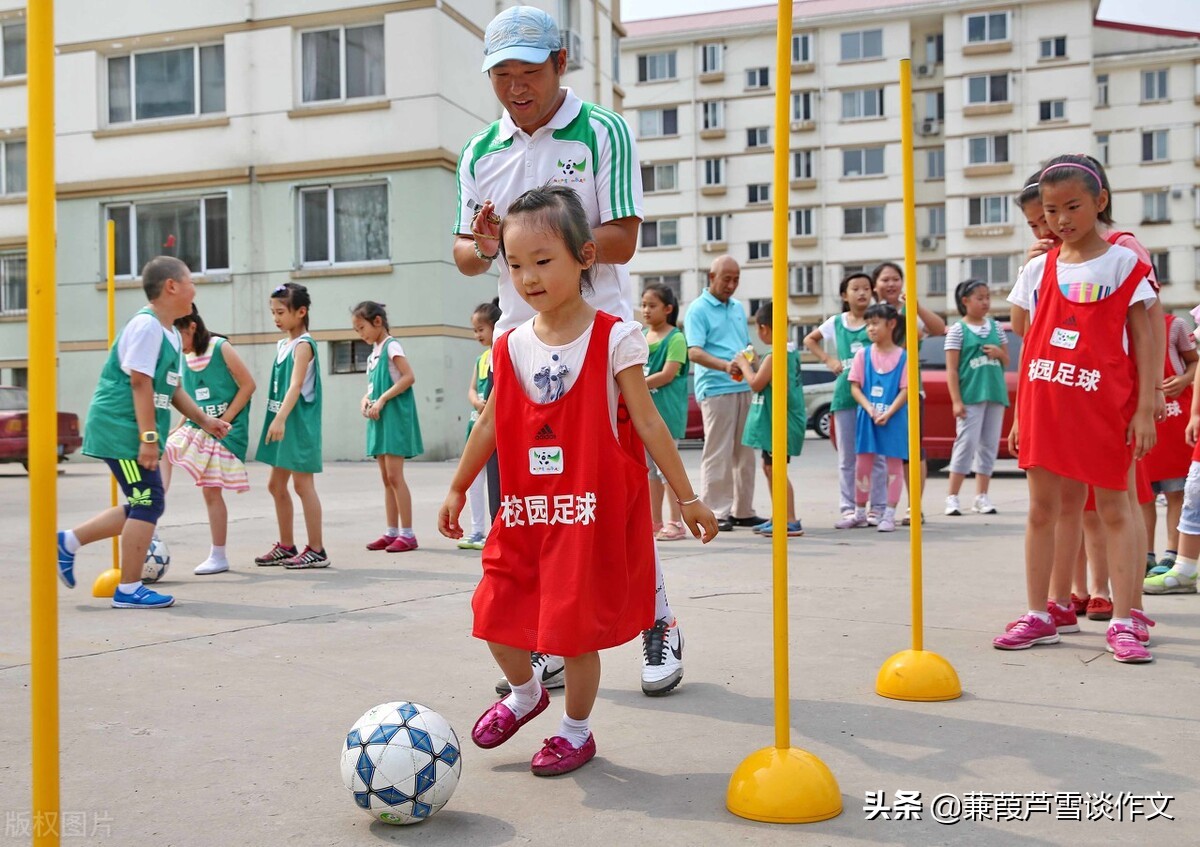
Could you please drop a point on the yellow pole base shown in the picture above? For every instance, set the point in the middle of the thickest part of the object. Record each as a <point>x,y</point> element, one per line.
<point>778,785</point>
<point>106,584</point>
<point>917,675</point>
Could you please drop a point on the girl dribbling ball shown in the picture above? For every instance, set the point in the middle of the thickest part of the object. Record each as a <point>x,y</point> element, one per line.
<point>569,566</point>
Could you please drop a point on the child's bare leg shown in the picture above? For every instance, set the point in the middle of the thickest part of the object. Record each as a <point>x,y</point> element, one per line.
<point>956,482</point>
<point>583,681</point>
<point>1149,515</point>
<point>277,487</point>
<point>135,541</point>
<point>1067,539</point>
<point>403,497</point>
<point>107,524</point>
<point>1174,513</point>
<point>791,501</point>
<point>1135,574</point>
<point>1097,556</point>
<point>390,510</point>
<point>1120,531</point>
<point>513,661</point>
<point>1045,489</point>
<point>218,515</point>
<point>656,499</point>
<point>306,490</point>
<point>982,483</point>
<point>1079,574</point>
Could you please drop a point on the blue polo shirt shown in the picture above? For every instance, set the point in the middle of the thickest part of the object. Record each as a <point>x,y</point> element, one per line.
<point>720,330</point>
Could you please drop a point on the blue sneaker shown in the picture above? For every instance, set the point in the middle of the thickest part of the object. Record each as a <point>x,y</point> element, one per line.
<point>66,564</point>
<point>763,528</point>
<point>794,530</point>
<point>143,598</point>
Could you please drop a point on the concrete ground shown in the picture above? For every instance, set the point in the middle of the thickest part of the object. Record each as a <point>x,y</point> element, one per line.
<point>220,721</point>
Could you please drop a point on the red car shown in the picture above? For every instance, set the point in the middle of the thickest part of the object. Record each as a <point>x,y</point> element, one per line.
<point>939,426</point>
<point>14,428</point>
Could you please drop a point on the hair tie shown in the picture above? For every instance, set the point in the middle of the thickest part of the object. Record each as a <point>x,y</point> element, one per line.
<point>279,289</point>
<point>1031,185</point>
<point>1095,175</point>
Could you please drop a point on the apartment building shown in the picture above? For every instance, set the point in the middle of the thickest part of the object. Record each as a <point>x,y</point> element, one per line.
<point>998,88</point>
<point>262,142</point>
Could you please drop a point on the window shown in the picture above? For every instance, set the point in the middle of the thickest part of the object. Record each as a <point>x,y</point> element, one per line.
<point>12,175</point>
<point>1053,48</point>
<point>341,63</point>
<point>616,57</point>
<point>760,251</point>
<point>802,106</point>
<point>804,222</point>
<point>663,233</point>
<point>866,44</point>
<point>758,78</point>
<point>987,88</point>
<point>990,27</point>
<point>660,177</point>
<point>804,164</point>
<point>758,136</point>
<point>672,281</point>
<point>655,123</point>
<point>937,220</point>
<point>655,66</point>
<point>713,114</point>
<point>714,228</point>
<point>862,161</point>
<point>1102,89</point>
<point>1154,207</point>
<point>1162,265</point>
<point>1102,148</point>
<point>987,149</point>
<point>348,357</point>
<point>166,84</point>
<point>714,171</point>
<point>1154,146</point>
<point>12,44</point>
<point>937,278</point>
<point>802,48</point>
<point>860,220</point>
<point>935,163</point>
<point>991,269</point>
<point>12,283</point>
<point>712,58</point>
<point>862,103</point>
<point>343,224</point>
<point>1154,85</point>
<point>1052,110</point>
<point>935,50</point>
<point>935,105</point>
<point>193,230</point>
<point>985,211</point>
<point>758,192</point>
<point>806,281</point>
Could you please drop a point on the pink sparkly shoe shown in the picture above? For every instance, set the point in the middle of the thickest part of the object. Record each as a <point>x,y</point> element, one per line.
<point>558,756</point>
<point>400,544</point>
<point>381,543</point>
<point>498,723</point>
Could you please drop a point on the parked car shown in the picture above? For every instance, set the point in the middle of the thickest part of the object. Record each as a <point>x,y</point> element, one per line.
<point>14,428</point>
<point>939,426</point>
<point>818,394</point>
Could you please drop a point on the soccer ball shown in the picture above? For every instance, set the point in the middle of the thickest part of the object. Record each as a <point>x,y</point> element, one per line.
<point>401,761</point>
<point>158,559</point>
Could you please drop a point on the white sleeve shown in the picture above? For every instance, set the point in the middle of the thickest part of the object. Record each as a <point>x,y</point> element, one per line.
<point>954,336</point>
<point>628,346</point>
<point>1022,290</point>
<point>1144,293</point>
<point>829,328</point>
<point>393,349</point>
<point>141,340</point>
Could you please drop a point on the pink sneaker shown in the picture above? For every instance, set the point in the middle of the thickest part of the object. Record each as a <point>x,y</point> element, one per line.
<point>1126,645</point>
<point>850,520</point>
<point>559,757</point>
<point>1141,625</point>
<point>1026,632</point>
<point>400,544</point>
<point>498,723</point>
<point>381,543</point>
<point>1064,620</point>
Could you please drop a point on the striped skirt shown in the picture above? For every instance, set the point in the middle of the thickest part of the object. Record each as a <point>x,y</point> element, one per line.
<point>207,460</point>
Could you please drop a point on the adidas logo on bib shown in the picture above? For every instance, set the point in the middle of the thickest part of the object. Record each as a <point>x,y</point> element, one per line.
<point>544,434</point>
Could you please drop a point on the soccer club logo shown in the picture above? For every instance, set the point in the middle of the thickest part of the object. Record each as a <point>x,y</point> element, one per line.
<point>545,461</point>
<point>572,168</point>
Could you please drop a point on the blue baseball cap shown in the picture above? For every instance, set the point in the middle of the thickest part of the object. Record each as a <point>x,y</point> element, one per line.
<point>523,33</point>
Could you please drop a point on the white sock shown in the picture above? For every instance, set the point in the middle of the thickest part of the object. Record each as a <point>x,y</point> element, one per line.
<point>392,531</point>
<point>71,542</point>
<point>860,512</point>
<point>574,731</point>
<point>662,609</point>
<point>1127,622</point>
<point>524,697</point>
<point>1044,617</point>
<point>217,554</point>
<point>1186,567</point>
<point>129,588</point>
<point>890,513</point>
<point>1061,607</point>
<point>406,532</point>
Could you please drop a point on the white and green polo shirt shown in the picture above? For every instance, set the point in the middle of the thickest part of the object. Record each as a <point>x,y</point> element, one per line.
<point>584,146</point>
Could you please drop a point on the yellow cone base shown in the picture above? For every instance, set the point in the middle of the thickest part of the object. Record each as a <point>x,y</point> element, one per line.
<point>917,675</point>
<point>778,785</point>
<point>106,584</point>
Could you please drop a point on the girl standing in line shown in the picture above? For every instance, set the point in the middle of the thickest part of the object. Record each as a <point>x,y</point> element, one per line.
<point>483,324</point>
<point>666,377</point>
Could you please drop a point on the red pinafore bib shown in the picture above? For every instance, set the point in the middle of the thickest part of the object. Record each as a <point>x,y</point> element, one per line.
<point>1171,456</point>
<point>1078,387</point>
<point>569,565</point>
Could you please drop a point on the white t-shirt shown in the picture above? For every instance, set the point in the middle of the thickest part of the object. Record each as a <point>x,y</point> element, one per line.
<point>954,335</point>
<point>286,348</point>
<point>1108,270</point>
<point>828,329</point>
<point>141,341</point>
<point>393,350</point>
<point>546,373</point>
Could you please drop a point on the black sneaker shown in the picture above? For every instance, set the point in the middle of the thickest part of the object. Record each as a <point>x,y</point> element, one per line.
<point>275,556</point>
<point>662,658</point>
<point>724,524</point>
<point>753,520</point>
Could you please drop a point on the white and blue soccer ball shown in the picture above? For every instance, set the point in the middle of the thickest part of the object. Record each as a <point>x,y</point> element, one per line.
<point>158,559</point>
<point>401,762</point>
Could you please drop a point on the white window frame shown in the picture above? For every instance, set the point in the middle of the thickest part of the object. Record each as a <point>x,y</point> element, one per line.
<point>1057,110</point>
<point>1102,140</point>
<point>1101,90</point>
<point>714,51</point>
<point>1161,260</point>
<point>1157,80</point>
<point>857,39</point>
<point>714,167</point>
<point>712,114</point>
<point>758,137</point>
<point>758,193</point>
<point>758,78</point>
<point>857,161</point>
<point>991,273</point>
<point>990,155</point>
<point>989,20</point>
<point>657,67</point>
<point>758,251</point>
<point>135,269</point>
<point>331,221</point>
<point>802,52</point>
<point>197,84</point>
<point>4,148</point>
<point>660,121</point>
<point>714,229</point>
<point>988,210</point>
<point>937,221</point>
<point>859,99</point>
<point>666,233</point>
<point>1155,206</point>
<point>802,106</point>
<point>804,164</point>
<point>12,24</point>
<point>657,178</point>
<point>1159,142</point>
<point>342,74</point>
<point>804,222</point>
<point>1048,48</point>
<point>864,213</point>
<point>935,163</point>
<point>805,281</point>
<point>936,276</point>
<point>989,80</point>
<point>7,308</point>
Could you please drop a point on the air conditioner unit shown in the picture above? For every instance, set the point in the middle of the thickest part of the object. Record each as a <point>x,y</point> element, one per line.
<point>926,70</point>
<point>930,126</point>
<point>929,242</point>
<point>574,45</point>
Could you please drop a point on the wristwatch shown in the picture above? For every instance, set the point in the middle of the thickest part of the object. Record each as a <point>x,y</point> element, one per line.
<point>149,437</point>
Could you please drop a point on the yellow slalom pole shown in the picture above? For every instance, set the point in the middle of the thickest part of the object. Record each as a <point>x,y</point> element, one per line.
<point>43,426</point>
<point>914,674</point>
<point>781,784</point>
<point>106,583</point>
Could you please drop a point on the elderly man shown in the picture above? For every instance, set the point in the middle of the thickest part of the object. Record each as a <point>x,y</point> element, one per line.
<point>715,326</point>
<point>548,135</point>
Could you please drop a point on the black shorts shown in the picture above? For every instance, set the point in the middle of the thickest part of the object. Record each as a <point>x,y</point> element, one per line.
<point>143,489</point>
<point>767,457</point>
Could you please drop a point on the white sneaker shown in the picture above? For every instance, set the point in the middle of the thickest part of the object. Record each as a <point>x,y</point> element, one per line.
<point>547,668</point>
<point>662,658</point>
<point>952,505</point>
<point>983,505</point>
<point>211,565</point>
